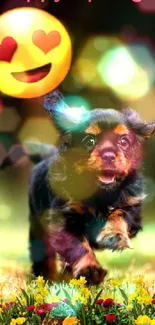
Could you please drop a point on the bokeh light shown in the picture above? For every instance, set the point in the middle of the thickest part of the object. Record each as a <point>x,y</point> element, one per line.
<point>9,120</point>
<point>38,129</point>
<point>66,182</point>
<point>128,71</point>
<point>84,71</point>
<point>146,6</point>
<point>74,116</point>
<point>145,105</point>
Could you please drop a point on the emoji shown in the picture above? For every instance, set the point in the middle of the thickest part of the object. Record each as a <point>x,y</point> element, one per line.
<point>35,52</point>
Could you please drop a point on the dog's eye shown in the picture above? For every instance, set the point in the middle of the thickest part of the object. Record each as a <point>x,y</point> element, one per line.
<point>124,142</point>
<point>89,141</point>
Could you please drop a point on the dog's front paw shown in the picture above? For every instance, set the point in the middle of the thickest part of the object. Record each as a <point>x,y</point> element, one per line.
<point>114,241</point>
<point>88,267</point>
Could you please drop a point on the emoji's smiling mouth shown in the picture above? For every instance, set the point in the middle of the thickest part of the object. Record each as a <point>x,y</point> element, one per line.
<point>33,75</point>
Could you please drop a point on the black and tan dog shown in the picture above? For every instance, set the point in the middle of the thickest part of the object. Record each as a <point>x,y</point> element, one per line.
<point>88,193</point>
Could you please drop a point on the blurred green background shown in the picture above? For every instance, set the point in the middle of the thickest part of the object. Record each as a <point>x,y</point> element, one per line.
<point>113,66</point>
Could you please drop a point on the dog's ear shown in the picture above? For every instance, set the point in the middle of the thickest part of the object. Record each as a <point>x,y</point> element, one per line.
<point>66,118</point>
<point>53,100</point>
<point>141,128</point>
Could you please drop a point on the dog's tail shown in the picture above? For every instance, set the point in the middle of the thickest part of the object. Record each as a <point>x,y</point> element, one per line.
<point>29,151</point>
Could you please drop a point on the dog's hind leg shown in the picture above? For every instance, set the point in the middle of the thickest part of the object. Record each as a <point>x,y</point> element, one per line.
<point>43,261</point>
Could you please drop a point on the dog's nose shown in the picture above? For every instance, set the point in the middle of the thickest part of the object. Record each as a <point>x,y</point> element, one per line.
<point>108,157</point>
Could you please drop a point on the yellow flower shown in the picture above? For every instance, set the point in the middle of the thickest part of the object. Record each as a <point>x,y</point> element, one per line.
<point>85,294</point>
<point>71,321</point>
<point>23,301</point>
<point>129,307</point>
<point>1,310</point>
<point>144,299</point>
<point>13,321</point>
<point>40,281</point>
<point>80,282</point>
<point>139,281</point>
<point>115,283</point>
<point>43,291</point>
<point>39,298</point>
<point>143,319</point>
<point>132,297</point>
<point>20,320</point>
<point>152,322</point>
<point>53,299</point>
<point>13,297</point>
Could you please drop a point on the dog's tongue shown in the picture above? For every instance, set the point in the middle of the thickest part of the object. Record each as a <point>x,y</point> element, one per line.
<point>107,177</point>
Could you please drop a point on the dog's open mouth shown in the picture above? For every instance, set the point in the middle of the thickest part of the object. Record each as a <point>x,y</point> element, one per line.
<point>33,75</point>
<point>107,177</point>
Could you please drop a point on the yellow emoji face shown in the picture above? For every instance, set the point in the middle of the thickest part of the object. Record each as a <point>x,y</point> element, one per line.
<point>35,52</point>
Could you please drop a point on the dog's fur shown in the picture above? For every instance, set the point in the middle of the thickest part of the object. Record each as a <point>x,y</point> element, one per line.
<point>88,194</point>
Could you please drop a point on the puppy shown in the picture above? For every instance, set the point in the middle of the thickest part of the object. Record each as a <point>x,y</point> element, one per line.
<point>88,194</point>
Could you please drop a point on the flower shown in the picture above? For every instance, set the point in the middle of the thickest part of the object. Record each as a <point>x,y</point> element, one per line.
<point>139,281</point>
<point>85,294</point>
<point>153,301</point>
<point>99,302</point>
<point>40,281</point>
<point>115,283</point>
<point>143,319</point>
<point>13,297</point>
<point>40,312</point>
<point>80,282</point>
<point>152,322</point>
<point>111,317</point>
<point>19,321</point>
<point>71,321</point>
<point>23,301</point>
<point>39,298</point>
<point>30,308</point>
<point>13,321</point>
<point>43,309</point>
<point>108,302</point>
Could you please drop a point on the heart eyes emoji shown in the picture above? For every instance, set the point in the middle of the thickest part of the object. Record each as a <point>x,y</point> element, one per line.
<point>7,49</point>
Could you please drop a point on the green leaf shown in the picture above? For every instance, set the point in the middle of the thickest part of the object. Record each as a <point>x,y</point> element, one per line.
<point>125,297</point>
<point>97,296</point>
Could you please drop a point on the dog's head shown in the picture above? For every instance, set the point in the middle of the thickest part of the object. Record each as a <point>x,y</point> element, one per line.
<point>105,143</point>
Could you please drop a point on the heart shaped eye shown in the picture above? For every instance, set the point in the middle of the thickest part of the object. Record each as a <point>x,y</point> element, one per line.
<point>7,49</point>
<point>46,42</point>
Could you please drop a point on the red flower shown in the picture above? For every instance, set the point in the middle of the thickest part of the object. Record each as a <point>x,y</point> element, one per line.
<point>153,301</point>
<point>7,306</point>
<point>65,300</point>
<point>85,308</point>
<point>108,302</point>
<point>30,308</point>
<point>42,309</point>
<point>111,317</point>
<point>99,301</point>
<point>40,312</point>
<point>11,303</point>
